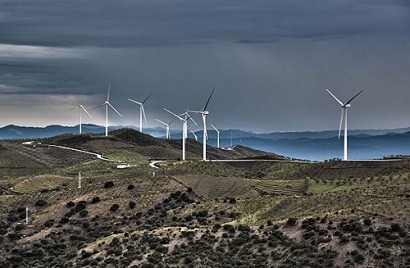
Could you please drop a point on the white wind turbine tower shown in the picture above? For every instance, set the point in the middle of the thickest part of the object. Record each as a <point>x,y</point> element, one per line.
<point>81,108</point>
<point>344,117</point>
<point>107,103</point>
<point>142,111</point>
<point>217,133</point>
<point>184,121</point>
<point>167,132</point>
<point>204,113</point>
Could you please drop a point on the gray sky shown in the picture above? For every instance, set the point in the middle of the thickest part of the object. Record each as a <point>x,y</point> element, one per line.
<point>270,61</point>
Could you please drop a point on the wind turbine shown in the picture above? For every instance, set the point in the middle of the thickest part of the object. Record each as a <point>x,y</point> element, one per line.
<point>344,117</point>
<point>142,111</point>
<point>217,132</point>
<point>81,108</point>
<point>167,132</point>
<point>107,103</point>
<point>184,121</point>
<point>204,113</point>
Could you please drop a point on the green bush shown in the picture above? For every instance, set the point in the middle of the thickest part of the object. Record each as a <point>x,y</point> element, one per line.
<point>114,207</point>
<point>95,200</point>
<point>291,221</point>
<point>108,184</point>
<point>132,204</point>
<point>83,213</point>
<point>40,203</point>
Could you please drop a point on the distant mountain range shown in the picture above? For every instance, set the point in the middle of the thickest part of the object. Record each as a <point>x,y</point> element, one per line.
<point>20,132</point>
<point>320,145</point>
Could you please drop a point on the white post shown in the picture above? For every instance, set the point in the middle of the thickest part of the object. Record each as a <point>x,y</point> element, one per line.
<point>26,215</point>
<point>79,180</point>
<point>217,142</point>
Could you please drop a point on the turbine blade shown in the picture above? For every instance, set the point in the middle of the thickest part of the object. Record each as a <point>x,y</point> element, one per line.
<point>134,101</point>
<point>82,107</point>
<point>171,122</point>
<point>206,105</point>
<point>112,107</point>
<point>341,103</point>
<point>177,116</point>
<point>190,118</point>
<point>143,113</point>
<point>349,101</point>
<point>146,98</point>
<point>98,106</point>
<point>162,122</point>
<point>214,128</point>
<point>341,121</point>
<point>73,108</point>
<point>82,98</point>
<point>109,88</point>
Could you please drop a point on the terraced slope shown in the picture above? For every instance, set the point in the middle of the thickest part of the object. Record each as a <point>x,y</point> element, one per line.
<point>218,187</point>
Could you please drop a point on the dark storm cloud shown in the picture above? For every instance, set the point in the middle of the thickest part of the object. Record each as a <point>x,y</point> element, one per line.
<point>43,76</point>
<point>271,60</point>
<point>138,23</point>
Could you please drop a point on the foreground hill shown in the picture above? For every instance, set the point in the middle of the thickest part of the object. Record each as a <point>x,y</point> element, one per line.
<point>194,213</point>
<point>122,146</point>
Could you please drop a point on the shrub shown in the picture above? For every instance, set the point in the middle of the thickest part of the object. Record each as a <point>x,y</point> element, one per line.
<point>114,207</point>
<point>108,184</point>
<point>95,200</point>
<point>115,242</point>
<point>70,204</point>
<point>358,258</point>
<point>395,227</point>
<point>83,213</point>
<point>132,204</point>
<point>80,206</point>
<point>40,203</point>
<point>49,223</point>
<point>130,187</point>
<point>64,220</point>
<point>291,221</point>
<point>232,200</point>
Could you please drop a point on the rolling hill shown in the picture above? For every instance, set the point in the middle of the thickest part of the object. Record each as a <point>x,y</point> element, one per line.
<point>192,213</point>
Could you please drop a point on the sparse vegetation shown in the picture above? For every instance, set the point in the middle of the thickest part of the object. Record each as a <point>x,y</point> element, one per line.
<point>269,214</point>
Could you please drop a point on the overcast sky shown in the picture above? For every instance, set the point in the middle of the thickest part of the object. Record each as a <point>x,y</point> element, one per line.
<point>270,61</point>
